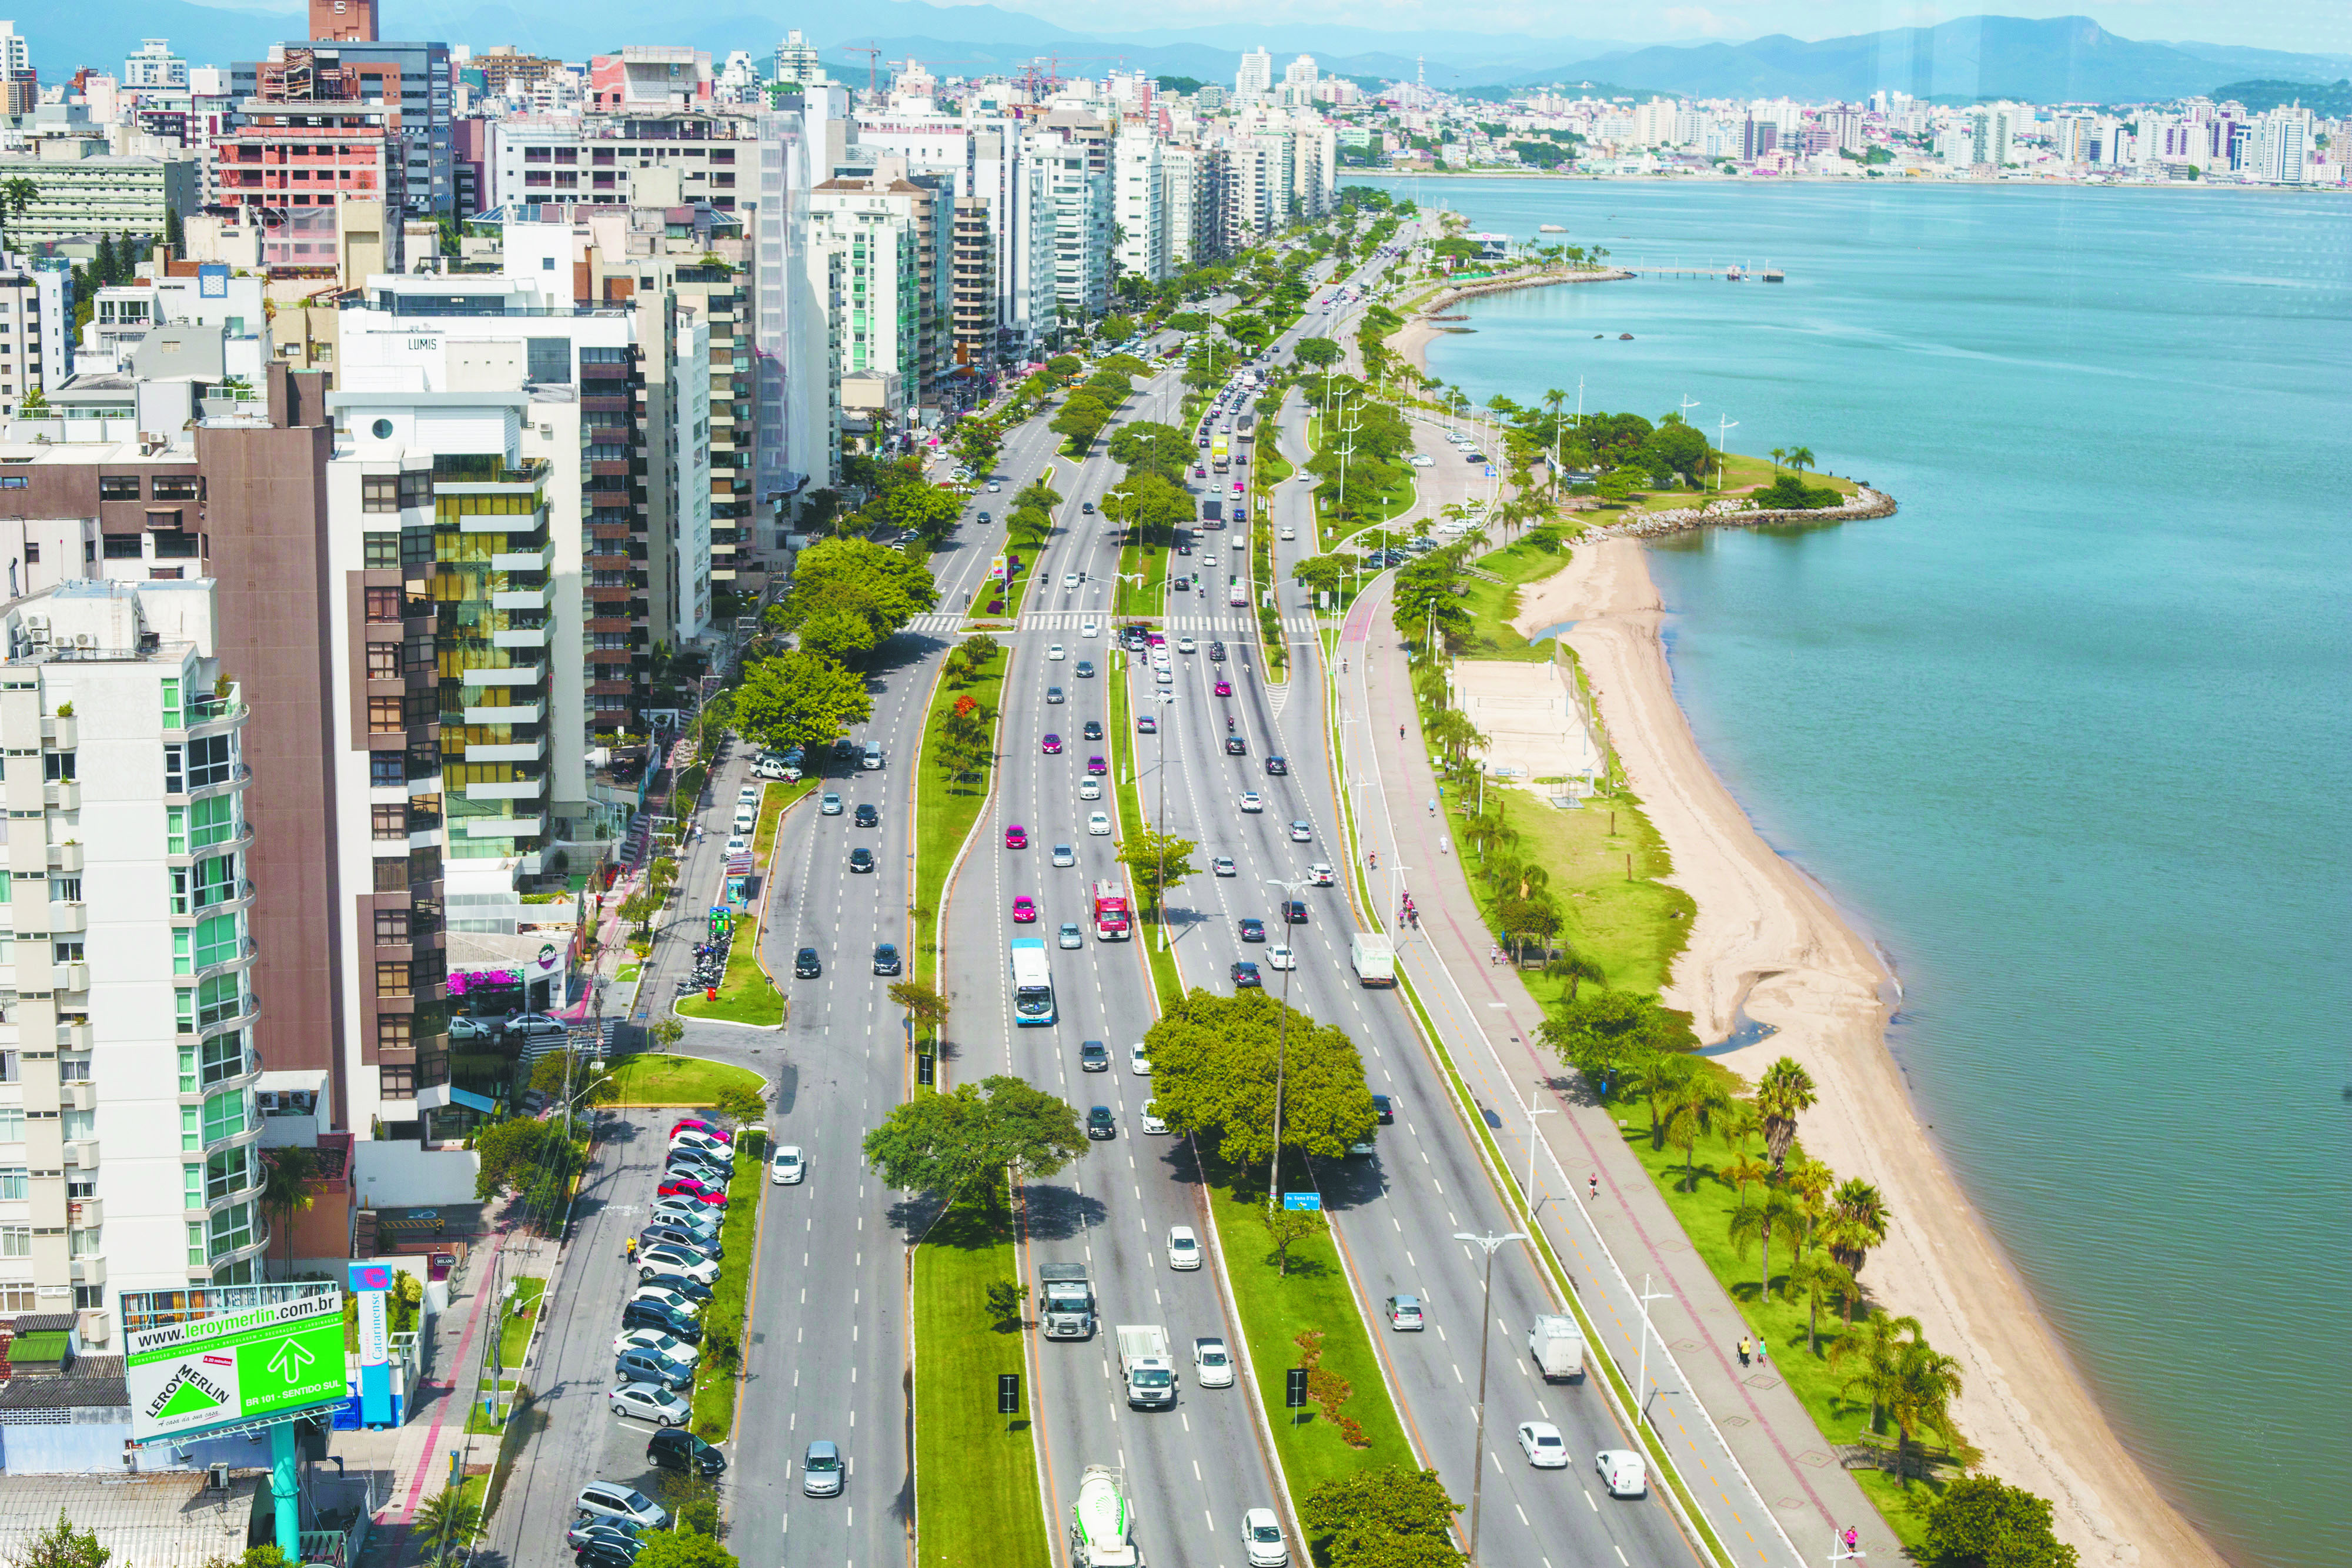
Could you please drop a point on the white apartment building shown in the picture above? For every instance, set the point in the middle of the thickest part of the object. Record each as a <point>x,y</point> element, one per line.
<point>878,310</point>
<point>32,351</point>
<point>796,367</point>
<point>1081,192</point>
<point>1253,78</point>
<point>1137,191</point>
<point>125,1043</point>
<point>155,66</point>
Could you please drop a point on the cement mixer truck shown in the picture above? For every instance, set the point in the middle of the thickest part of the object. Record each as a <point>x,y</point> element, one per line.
<point>1102,1523</point>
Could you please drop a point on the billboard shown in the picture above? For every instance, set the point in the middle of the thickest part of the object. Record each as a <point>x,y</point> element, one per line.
<point>277,1360</point>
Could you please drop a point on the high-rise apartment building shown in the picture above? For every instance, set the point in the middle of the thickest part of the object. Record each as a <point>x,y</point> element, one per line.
<point>1254,80</point>
<point>1137,216</point>
<point>316,164</point>
<point>127,1046</point>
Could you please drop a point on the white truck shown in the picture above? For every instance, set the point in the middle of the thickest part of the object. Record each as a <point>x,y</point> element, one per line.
<point>1065,1306</point>
<point>1373,955</point>
<point>1144,1361</point>
<point>1102,1523</point>
<point>1558,1345</point>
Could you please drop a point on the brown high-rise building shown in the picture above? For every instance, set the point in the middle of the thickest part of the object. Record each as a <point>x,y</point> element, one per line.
<point>345,21</point>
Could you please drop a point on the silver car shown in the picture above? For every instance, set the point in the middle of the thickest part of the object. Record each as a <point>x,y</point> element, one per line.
<point>650,1401</point>
<point>823,1469</point>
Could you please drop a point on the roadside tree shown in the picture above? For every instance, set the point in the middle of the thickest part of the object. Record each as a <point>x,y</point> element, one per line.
<point>944,1144</point>
<point>1382,1518</point>
<point>1156,862</point>
<point>800,699</point>
<point>1982,1521</point>
<point>1214,1065</point>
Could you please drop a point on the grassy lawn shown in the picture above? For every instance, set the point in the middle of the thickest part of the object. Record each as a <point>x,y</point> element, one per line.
<point>1015,591</point>
<point>1492,604</point>
<point>714,1388</point>
<point>650,1078</point>
<point>1704,1210</point>
<point>777,796</point>
<point>514,1338</point>
<point>945,810</point>
<point>1274,1310</point>
<point>1148,598</point>
<point>1632,927</point>
<point>1740,473</point>
<point>746,995</point>
<point>980,1501</point>
<point>1128,817</point>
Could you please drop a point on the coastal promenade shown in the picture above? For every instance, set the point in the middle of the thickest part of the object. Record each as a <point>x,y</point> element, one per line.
<point>1771,1487</point>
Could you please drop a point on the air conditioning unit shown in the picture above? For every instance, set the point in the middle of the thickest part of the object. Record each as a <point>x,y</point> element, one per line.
<point>97,1327</point>
<point>216,1478</point>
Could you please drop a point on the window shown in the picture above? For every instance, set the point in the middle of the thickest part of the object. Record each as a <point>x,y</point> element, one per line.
<point>216,881</point>
<point>118,486</point>
<point>383,606</point>
<point>197,1256</point>
<point>124,546</point>
<point>383,552</point>
<point>64,890</point>
<point>391,979</point>
<point>229,1172</point>
<point>422,707</point>
<point>177,487</point>
<point>219,999</point>
<point>15,1241</point>
<point>391,927</point>
<point>15,1184</point>
<point>379,493</point>
<point>169,545</point>
<point>32,553</point>
<point>386,768</point>
<point>217,940</point>
<point>84,1241</point>
<point>174,776</point>
<point>210,761</point>
<point>57,767</point>
<point>549,361</point>
<point>170,688</point>
<point>395,1032</point>
<point>224,1058</point>
<point>12,1124</point>
<point>73,1068</point>
<point>88,1298</point>
<point>79,1124</point>
<point>67,952</point>
<point>232,1228</point>
<point>179,879</point>
<point>224,1115</point>
<point>390,876</point>
<point>386,715</point>
<point>211,822</point>
<point>383,661</point>
<point>390,822</point>
<point>399,1082</point>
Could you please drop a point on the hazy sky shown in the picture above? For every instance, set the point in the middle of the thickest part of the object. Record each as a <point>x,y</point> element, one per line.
<point>2324,25</point>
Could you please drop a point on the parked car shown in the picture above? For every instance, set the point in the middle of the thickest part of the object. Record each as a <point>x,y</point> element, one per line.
<point>681,1450</point>
<point>668,1300</point>
<point>694,1188</point>
<point>656,1343</point>
<point>644,1366</point>
<point>697,1125</point>
<point>598,1527</point>
<point>674,1259</point>
<point>611,1500</point>
<point>648,1402</point>
<point>693,1290</point>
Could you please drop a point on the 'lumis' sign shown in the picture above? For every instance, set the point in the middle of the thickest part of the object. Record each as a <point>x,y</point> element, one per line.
<point>268,1360</point>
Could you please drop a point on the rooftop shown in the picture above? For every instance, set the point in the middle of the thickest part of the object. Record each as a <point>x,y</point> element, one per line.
<point>169,1520</point>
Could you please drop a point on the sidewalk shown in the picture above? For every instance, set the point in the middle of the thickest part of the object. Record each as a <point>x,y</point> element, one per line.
<point>1740,1437</point>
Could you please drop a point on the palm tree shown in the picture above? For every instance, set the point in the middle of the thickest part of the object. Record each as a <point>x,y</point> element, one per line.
<point>1815,1275</point>
<point>1772,1209</point>
<point>1778,454</point>
<point>285,1188</point>
<point>1691,1110</point>
<point>1919,1397</point>
<point>448,1518</point>
<point>1740,1124</point>
<point>1876,1346</point>
<point>1744,1171</point>
<point>1800,458</point>
<point>1810,1180</point>
<point>1784,1090</point>
<point>1660,1079</point>
<point>1575,969</point>
<point>1857,1222</point>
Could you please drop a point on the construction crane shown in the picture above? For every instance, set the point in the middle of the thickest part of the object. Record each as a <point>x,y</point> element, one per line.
<point>873,63</point>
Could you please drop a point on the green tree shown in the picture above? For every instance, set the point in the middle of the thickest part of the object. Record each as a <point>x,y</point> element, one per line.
<point>61,1546</point>
<point>1982,1521</point>
<point>1155,862</point>
<point>1148,444</point>
<point>1690,1110</point>
<point>682,1549</point>
<point>692,1498</point>
<point>1753,1222</point>
<point>922,1004</point>
<point>942,1144</point>
<point>1149,504</point>
<point>445,1520</point>
<point>1284,1228</point>
<point>929,510</point>
<point>800,699</point>
<point>1576,969</point>
<point>1856,1222</point>
<point>962,742</point>
<point>1081,419</point>
<point>1063,366</point>
<point>1004,1300</point>
<point>1316,351</point>
<point>1918,1397</point>
<point>1327,573</point>
<point>840,580</point>
<point>1785,1089</point>
<point>1800,458</point>
<point>1604,1033</point>
<point>1381,1518</point>
<point>739,1102</point>
<point>1817,1276</point>
<point>511,1151</point>
<point>286,1189</point>
<point>1213,1074</point>
<point>1871,1349</point>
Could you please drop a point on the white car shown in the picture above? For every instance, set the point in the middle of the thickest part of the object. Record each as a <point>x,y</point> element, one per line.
<point>668,1257</point>
<point>1089,788</point>
<point>1208,558</point>
<point>1089,628</point>
<point>1541,1442</point>
<point>656,1343</point>
<point>649,1401</point>
<point>611,1500</point>
<point>1623,1471</point>
<point>1098,825</point>
<point>1281,958</point>
<point>1300,833</point>
<point>749,795</point>
<point>1423,460</point>
<point>1185,644</point>
<point>1139,1060</point>
<point>1262,1541</point>
<point>1212,1364</point>
<point>1320,876</point>
<point>1057,652</point>
<point>1250,802</point>
<point>1183,1247</point>
<point>1069,580</point>
<point>738,844</point>
<point>1164,676</point>
<point>1288,532</point>
<point>1154,1122</point>
<point>1223,866</point>
<point>1066,855</point>
<point>788,1168</point>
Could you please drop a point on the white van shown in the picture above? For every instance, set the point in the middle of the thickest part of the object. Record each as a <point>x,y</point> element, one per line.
<point>1623,1471</point>
<point>873,757</point>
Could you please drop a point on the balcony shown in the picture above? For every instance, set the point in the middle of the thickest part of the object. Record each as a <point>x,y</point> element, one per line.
<point>532,751</point>
<point>505,827</point>
<point>522,637</point>
<point>81,1154</point>
<point>540,559</point>
<point>65,857</point>
<point>90,1271</point>
<point>73,1036</point>
<point>510,789</point>
<point>210,716</point>
<point>67,916</point>
<point>512,675</point>
<point>82,1213</point>
<point>535,598</point>
<point>70,976</point>
<point>63,795</point>
<point>81,1096</point>
<point>61,732</point>
<point>513,713</point>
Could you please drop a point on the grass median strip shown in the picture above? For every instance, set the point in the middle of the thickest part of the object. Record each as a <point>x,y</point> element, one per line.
<point>947,806</point>
<point>977,1470</point>
<point>746,995</point>
<point>1164,978</point>
<point>716,1379</point>
<point>650,1078</point>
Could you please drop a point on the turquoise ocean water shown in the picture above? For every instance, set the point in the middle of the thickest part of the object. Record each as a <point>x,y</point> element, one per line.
<point>2071,736</point>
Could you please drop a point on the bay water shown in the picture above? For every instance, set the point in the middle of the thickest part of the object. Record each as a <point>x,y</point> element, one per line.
<point>2070,736</point>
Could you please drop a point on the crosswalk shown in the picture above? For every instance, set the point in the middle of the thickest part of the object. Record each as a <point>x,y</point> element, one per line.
<point>1234,625</point>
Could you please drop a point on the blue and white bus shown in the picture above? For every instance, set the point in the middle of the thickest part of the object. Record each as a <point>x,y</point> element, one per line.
<point>1033,986</point>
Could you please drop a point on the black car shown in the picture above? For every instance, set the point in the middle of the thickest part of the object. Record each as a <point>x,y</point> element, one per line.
<point>654,1315</point>
<point>1245,977</point>
<point>1474,458</point>
<point>861,859</point>
<point>1183,550</point>
<point>675,1448</point>
<point>1217,652</point>
<point>1087,507</point>
<point>886,958</point>
<point>1236,745</point>
<point>1094,730</point>
<point>691,1289</point>
<point>606,1551</point>
<point>1294,912</point>
<point>867,816</point>
<point>806,964</point>
<point>1383,1109</point>
<point>1099,1125</point>
<point>1086,669</point>
<point>1253,930</point>
<point>1093,1056</point>
<point>1181,584</point>
<point>1277,765</point>
<point>654,1235</point>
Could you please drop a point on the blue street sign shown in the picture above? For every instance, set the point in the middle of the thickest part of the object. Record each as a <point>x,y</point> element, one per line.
<point>1490,471</point>
<point>1302,1200</point>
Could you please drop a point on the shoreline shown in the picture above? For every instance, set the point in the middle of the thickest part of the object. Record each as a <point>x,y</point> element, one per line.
<point>1412,340</point>
<point>1768,940</point>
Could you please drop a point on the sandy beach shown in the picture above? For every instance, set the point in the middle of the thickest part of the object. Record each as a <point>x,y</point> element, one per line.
<point>1766,933</point>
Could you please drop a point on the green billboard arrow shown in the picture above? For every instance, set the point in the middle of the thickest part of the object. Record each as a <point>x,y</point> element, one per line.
<point>290,1359</point>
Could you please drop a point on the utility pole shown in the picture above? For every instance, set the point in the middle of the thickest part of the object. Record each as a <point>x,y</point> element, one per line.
<point>1534,1111</point>
<point>1641,1379</point>
<point>1722,424</point>
<point>1485,1332</point>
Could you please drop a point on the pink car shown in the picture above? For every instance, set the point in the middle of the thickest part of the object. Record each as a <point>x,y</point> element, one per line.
<point>1053,746</point>
<point>1225,688</point>
<point>1016,837</point>
<point>1024,910</point>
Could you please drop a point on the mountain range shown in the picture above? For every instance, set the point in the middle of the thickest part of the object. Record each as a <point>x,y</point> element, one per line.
<point>2043,61</point>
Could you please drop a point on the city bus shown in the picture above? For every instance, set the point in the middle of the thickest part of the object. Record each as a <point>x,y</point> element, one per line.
<point>1033,986</point>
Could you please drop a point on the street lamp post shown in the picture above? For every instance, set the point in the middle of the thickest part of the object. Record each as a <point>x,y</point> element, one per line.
<point>1722,424</point>
<point>1534,1111</point>
<point>1485,1330</point>
<point>1642,1378</point>
<point>1281,1050</point>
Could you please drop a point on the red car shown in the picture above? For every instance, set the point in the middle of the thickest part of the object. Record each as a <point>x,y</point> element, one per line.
<point>687,1186</point>
<point>1016,837</point>
<point>1024,910</point>
<point>1096,764</point>
<point>692,1124</point>
<point>1053,746</point>
<point>1225,688</point>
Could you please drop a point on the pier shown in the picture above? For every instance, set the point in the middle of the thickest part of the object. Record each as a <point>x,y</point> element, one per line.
<point>1730,272</point>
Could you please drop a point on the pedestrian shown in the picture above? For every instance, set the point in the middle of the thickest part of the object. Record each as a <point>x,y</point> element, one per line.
<point>1493,953</point>
<point>1853,1536</point>
<point>1592,1188</point>
<point>1760,1357</point>
<point>1743,1350</point>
